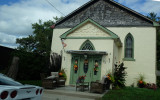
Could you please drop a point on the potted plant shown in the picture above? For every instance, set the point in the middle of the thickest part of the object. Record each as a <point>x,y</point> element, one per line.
<point>81,79</point>
<point>62,74</point>
<point>140,81</point>
<point>109,80</point>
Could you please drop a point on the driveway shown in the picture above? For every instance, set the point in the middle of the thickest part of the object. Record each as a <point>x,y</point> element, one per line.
<point>50,96</point>
<point>69,93</point>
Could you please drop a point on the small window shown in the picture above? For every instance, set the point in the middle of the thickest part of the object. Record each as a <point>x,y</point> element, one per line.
<point>87,45</point>
<point>129,47</point>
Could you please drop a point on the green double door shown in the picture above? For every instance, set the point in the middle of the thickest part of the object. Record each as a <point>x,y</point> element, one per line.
<point>89,66</point>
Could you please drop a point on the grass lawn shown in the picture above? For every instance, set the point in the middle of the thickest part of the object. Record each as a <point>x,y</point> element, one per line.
<point>31,82</point>
<point>130,93</point>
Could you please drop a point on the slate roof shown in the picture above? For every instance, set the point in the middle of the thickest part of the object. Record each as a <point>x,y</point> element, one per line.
<point>129,18</point>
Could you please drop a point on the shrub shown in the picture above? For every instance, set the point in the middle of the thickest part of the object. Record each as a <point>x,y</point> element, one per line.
<point>119,76</point>
<point>158,81</point>
<point>151,86</point>
<point>30,65</point>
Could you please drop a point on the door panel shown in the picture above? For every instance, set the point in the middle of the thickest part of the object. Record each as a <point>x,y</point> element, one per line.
<point>74,74</point>
<point>86,67</point>
<point>81,71</point>
<point>96,71</point>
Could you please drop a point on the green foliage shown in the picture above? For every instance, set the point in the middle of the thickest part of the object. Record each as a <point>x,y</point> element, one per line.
<point>63,73</point>
<point>40,41</point>
<point>140,81</point>
<point>27,44</point>
<point>158,81</point>
<point>140,77</point>
<point>154,17</point>
<point>119,76</point>
<point>30,65</point>
<point>31,82</point>
<point>110,77</point>
<point>158,48</point>
<point>130,93</point>
<point>34,50</point>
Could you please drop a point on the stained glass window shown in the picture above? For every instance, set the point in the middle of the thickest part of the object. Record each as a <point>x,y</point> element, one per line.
<point>129,46</point>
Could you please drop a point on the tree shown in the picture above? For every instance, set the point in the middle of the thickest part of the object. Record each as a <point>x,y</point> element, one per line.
<point>34,50</point>
<point>154,17</point>
<point>158,49</point>
<point>30,65</point>
<point>40,41</point>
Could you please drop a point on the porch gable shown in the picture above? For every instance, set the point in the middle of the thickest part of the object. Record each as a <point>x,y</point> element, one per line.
<point>89,29</point>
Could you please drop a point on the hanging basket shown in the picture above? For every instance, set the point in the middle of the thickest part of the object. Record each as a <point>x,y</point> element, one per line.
<point>95,72</point>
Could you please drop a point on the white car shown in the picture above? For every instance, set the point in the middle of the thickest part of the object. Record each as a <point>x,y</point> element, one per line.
<point>12,90</point>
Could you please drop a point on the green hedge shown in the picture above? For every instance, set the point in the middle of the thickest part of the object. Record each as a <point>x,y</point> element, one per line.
<point>30,65</point>
<point>31,82</point>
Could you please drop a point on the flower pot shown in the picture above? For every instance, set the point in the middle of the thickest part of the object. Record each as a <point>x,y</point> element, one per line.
<point>81,80</point>
<point>108,84</point>
<point>61,76</point>
<point>141,85</point>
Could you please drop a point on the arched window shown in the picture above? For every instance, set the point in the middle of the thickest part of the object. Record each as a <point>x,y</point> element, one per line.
<point>87,45</point>
<point>129,46</point>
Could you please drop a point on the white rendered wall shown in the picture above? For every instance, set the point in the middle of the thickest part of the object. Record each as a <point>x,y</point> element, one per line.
<point>144,52</point>
<point>56,46</point>
<point>75,44</point>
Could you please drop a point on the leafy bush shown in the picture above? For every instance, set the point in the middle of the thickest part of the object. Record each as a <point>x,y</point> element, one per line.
<point>151,86</point>
<point>140,81</point>
<point>31,82</point>
<point>158,81</point>
<point>119,75</point>
<point>30,65</point>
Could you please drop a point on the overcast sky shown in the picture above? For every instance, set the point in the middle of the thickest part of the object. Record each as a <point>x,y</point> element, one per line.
<point>16,16</point>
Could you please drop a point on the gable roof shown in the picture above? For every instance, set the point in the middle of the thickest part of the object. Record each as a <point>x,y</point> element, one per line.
<point>113,35</point>
<point>91,2</point>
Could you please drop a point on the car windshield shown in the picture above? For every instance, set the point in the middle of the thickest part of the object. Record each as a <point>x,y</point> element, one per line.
<point>4,80</point>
